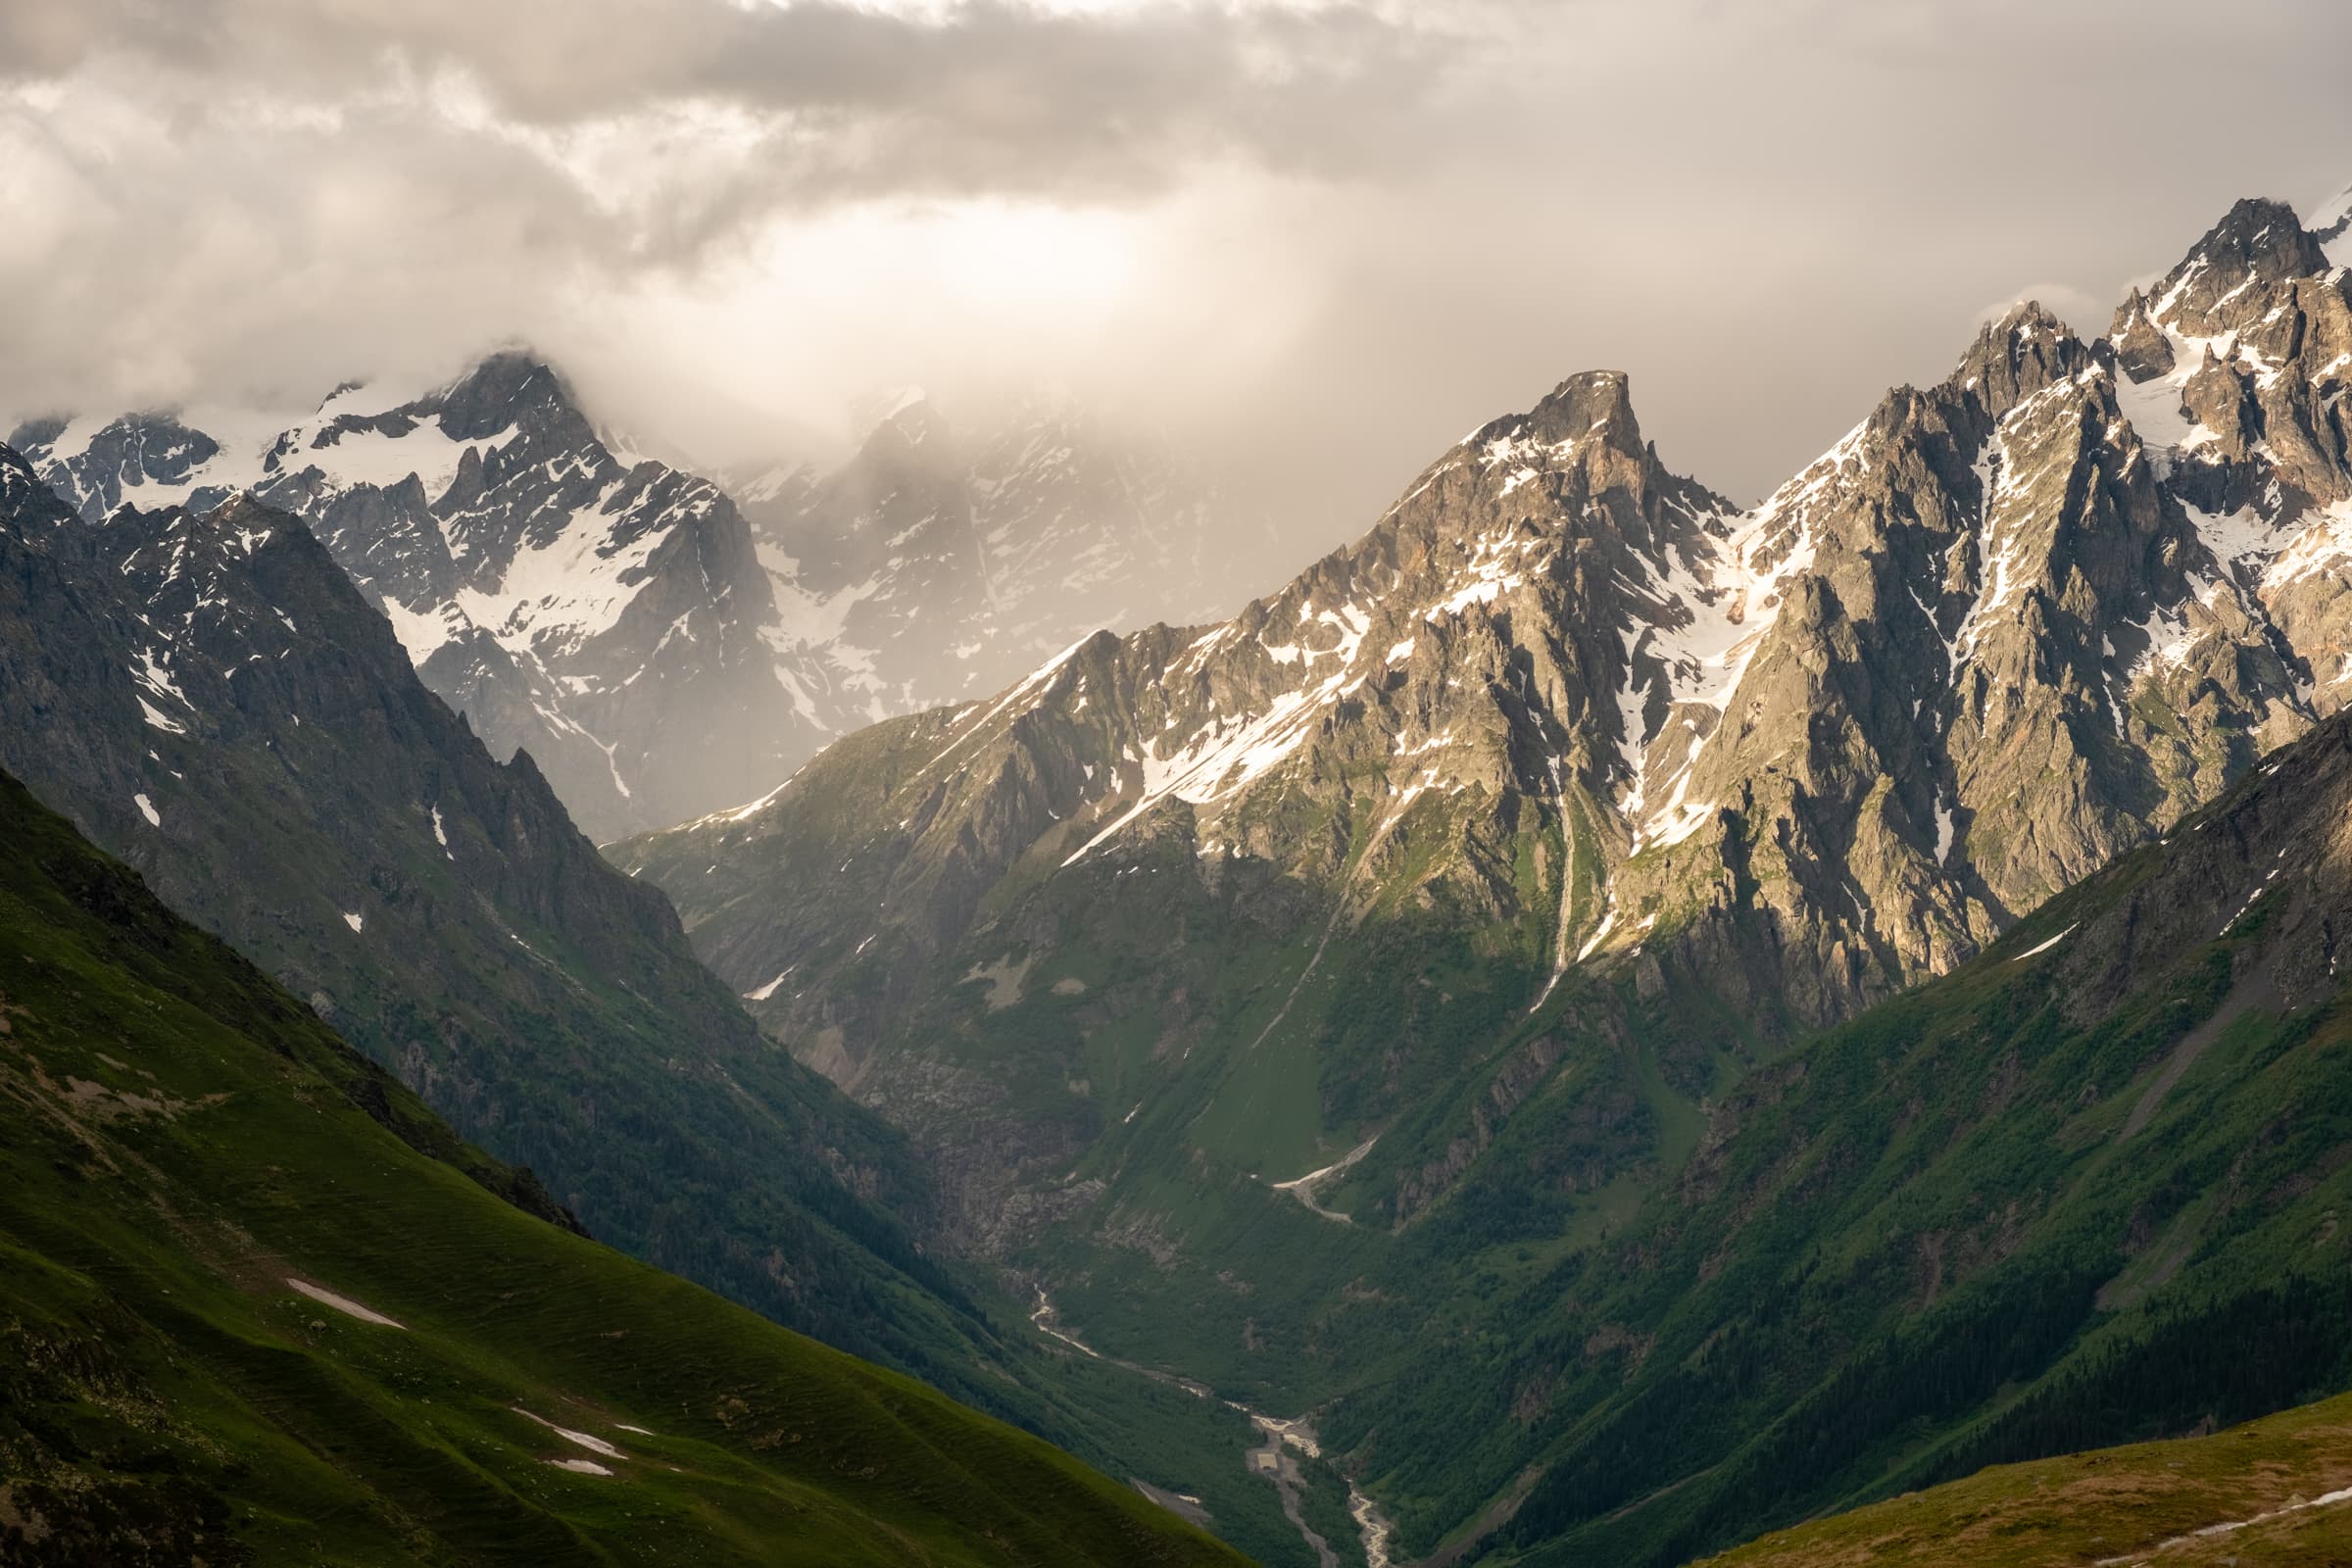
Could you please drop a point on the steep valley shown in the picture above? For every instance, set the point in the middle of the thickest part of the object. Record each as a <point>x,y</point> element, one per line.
<point>1512,859</point>
<point>260,1305</point>
<point>207,693</point>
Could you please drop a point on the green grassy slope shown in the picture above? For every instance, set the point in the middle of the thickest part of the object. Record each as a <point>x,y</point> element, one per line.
<point>316,806</point>
<point>181,1140</point>
<point>2267,1494</point>
<point>1626,1282</point>
<point>2087,1190</point>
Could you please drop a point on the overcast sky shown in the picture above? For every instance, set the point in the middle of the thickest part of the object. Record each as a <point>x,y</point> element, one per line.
<point>1321,240</point>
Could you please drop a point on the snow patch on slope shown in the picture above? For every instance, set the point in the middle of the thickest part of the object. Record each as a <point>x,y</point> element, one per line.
<point>2335,213</point>
<point>343,1305</point>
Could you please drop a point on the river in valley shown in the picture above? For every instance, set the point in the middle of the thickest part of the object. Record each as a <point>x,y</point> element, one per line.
<point>1270,1458</point>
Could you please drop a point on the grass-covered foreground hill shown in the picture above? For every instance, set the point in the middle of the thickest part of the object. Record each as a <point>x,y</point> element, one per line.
<point>257,1304</point>
<point>2267,1494</point>
<point>209,698</point>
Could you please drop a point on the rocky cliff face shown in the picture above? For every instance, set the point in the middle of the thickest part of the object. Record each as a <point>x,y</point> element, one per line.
<point>937,563</point>
<point>1564,710</point>
<point>605,612</point>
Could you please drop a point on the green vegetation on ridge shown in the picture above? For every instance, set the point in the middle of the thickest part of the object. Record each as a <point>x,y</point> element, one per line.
<point>2268,1494</point>
<point>1627,1281</point>
<point>182,1141</point>
<point>307,799</point>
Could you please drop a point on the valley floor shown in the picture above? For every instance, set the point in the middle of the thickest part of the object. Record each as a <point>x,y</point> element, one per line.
<point>1276,1458</point>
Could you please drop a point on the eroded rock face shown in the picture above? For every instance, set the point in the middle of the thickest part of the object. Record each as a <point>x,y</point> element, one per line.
<point>2141,352</point>
<point>1568,710</point>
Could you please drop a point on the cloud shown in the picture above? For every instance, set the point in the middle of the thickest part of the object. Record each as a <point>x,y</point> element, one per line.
<point>1321,239</point>
<point>814,101</point>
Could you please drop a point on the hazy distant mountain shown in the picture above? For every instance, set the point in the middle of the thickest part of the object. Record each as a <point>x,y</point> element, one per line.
<point>603,612</point>
<point>614,616</point>
<point>937,563</point>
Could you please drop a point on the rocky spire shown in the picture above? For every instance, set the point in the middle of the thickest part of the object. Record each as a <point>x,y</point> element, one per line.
<point>2257,243</point>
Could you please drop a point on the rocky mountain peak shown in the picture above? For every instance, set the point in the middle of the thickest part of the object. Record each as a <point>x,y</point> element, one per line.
<point>147,459</point>
<point>2141,350</point>
<point>1577,465</point>
<point>1594,406</point>
<point>2021,351</point>
<point>2223,284</point>
<point>2263,238</point>
<point>20,486</point>
<point>2233,364</point>
<point>499,392</point>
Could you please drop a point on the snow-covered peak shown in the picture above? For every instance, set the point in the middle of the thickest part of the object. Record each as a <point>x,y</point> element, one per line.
<point>384,432</point>
<point>381,449</point>
<point>193,457</point>
<point>601,610</point>
<point>2255,244</point>
<point>2332,225</point>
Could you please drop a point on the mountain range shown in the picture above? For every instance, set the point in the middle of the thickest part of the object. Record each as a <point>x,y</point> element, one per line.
<point>1579,707</point>
<point>620,619</point>
<point>1632,1020</point>
<point>1305,995</point>
<point>208,695</point>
